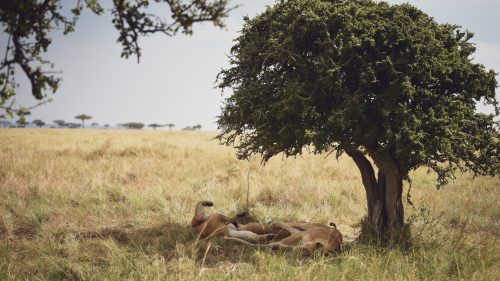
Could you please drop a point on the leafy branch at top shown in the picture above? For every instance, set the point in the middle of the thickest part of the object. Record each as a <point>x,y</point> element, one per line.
<point>28,25</point>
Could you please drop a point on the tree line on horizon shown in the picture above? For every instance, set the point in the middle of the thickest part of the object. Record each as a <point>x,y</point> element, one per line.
<point>22,123</point>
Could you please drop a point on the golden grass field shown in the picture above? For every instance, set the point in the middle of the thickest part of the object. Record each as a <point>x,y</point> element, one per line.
<point>116,205</point>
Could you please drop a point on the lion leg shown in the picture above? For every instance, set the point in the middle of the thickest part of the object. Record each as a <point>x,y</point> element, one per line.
<point>287,242</point>
<point>292,239</point>
<point>287,227</point>
<point>199,211</point>
<point>235,217</point>
<point>248,235</point>
<point>307,247</point>
<point>279,245</point>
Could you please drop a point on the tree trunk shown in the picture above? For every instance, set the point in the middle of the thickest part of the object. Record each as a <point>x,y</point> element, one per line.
<point>374,194</point>
<point>383,194</point>
<point>393,190</point>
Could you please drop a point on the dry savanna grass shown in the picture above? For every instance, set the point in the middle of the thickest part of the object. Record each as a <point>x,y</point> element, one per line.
<point>116,205</point>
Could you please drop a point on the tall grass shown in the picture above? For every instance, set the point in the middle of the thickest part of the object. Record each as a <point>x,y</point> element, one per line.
<point>116,205</point>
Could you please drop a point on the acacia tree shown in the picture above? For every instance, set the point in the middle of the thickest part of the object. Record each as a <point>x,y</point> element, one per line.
<point>73,125</point>
<point>83,117</point>
<point>155,126</point>
<point>133,125</point>
<point>60,123</point>
<point>170,126</point>
<point>38,122</point>
<point>368,79</point>
<point>29,24</point>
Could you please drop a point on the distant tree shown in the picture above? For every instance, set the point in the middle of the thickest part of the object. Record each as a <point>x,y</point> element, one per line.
<point>155,126</point>
<point>365,78</point>
<point>170,126</point>
<point>106,126</point>
<point>133,125</point>
<point>21,123</point>
<point>83,117</point>
<point>39,123</point>
<point>73,125</point>
<point>5,123</point>
<point>193,128</point>
<point>60,123</point>
<point>29,26</point>
<point>94,124</point>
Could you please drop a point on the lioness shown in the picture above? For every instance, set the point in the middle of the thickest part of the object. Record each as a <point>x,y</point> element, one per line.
<point>311,237</point>
<point>221,225</point>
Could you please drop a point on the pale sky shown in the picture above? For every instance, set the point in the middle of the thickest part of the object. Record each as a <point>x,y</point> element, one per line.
<point>174,82</point>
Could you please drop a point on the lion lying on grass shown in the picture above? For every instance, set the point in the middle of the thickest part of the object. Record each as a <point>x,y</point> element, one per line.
<point>220,225</point>
<point>307,236</point>
<point>310,236</point>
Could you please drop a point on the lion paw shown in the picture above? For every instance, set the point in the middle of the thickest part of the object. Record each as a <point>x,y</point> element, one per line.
<point>207,203</point>
<point>241,214</point>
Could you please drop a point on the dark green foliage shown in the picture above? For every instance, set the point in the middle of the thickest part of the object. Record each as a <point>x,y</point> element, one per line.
<point>360,76</point>
<point>73,125</point>
<point>193,128</point>
<point>133,125</point>
<point>60,123</point>
<point>29,24</point>
<point>21,123</point>
<point>39,123</point>
<point>155,126</point>
<point>170,126</point>
<point>83,117</point>
<point>133,19</point>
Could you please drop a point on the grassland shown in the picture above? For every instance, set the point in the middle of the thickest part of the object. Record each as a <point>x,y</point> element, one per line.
<point>116,205</point>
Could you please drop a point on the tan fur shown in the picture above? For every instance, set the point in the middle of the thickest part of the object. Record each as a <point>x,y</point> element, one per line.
<point>310,236</point>
<point>221,225</point>
<point>260,228</point>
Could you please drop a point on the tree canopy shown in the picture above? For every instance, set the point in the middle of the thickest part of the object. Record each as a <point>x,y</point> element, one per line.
<point>83,117</point>
<point>29,25</point>
<point>192,128</point>
<point>365,78</point>
<point>133,125</point>
<point>38,122</point>
<point>59,122</point>
<point>155,126</point>
<point>170,126</point>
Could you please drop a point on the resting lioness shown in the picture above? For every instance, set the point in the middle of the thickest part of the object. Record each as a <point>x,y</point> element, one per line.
<point>311,237</point>
<point>221,225</point>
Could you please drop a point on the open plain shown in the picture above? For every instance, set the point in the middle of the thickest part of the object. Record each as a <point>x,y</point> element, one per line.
<point>116,205</point>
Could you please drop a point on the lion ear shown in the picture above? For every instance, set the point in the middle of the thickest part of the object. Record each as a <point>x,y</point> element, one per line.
<point>332,224</point>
